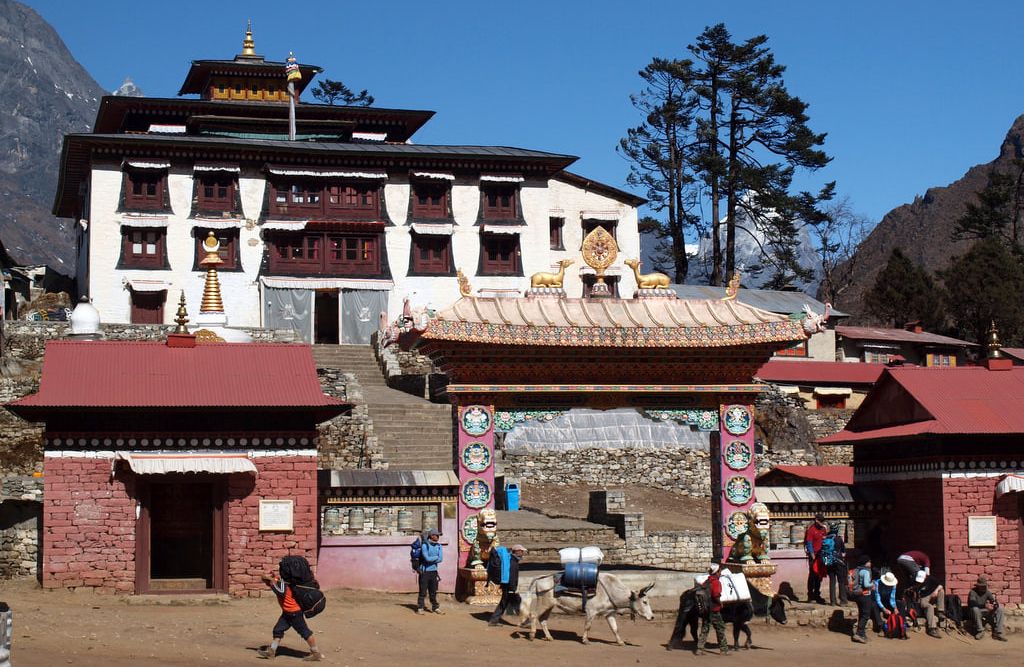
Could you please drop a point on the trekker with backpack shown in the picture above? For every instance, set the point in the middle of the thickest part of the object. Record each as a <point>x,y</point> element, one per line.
<point>863,587</point>
<point>506,568</point>
<point>833,556</point>
<point>431,554</point>
<point>293,583</point>
<point>813,538</point>
<point>932,598</point>
<point>885,605</point>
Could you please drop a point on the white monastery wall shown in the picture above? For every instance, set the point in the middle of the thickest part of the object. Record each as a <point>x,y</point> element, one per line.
<point>539,200</point>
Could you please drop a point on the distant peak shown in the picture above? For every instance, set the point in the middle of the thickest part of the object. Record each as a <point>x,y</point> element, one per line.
<point>129,89</point>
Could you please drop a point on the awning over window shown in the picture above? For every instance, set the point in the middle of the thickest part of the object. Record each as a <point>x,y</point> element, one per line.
<point>147,285</point>
<point>218,223</point>
<point>434,174</point>
<point>304,171</point>
<point>216,166</point>
<point>1010,484</point>
<point>144,221</point>
<point>833,391</point>
<point>502,178</point>
<point>161,464</point>
<point>147,164</point>
<point>327,283</point>
<point>435,229</point>
<point>600,215</point>
<point>502,229</point>
<point>292,225</point>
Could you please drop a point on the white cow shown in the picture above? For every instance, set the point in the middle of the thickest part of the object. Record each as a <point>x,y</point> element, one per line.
<point>612,597</point>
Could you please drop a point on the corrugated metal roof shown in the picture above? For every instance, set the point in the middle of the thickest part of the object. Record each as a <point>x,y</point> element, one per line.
<point>775,301</point>
<point>803,494</point>
<point>900,335</point>
<point>820,372</point>
<point>388,478</point>
<point>97,374</point>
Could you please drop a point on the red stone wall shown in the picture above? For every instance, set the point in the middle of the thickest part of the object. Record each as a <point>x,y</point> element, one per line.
<point>252,553</point>
<point>88,526</point>
<point>1002,563</point>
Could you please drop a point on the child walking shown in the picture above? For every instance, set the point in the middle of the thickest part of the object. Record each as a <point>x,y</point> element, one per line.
<point>291,617</point>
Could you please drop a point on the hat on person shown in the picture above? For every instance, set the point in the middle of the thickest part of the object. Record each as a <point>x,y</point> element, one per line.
<point>432,532</point>
<point>920,576</point>
<point>833,528</point>
<point>519,547</point>
<point>982,580</point>
<point>889,579</point>
<point>713,568</point>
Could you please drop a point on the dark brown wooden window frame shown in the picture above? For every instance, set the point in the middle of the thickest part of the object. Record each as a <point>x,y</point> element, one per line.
<point>229,248</point>
<point>437,245</point>
<point>491,195</point>
<point>423,207</point>
<point>491,263</point>
<point>219,202</point>
<point>556,229</point>
<point>130,259</point>
<point>353,200</point>
<point>329,253</point>
<point>138,196</point>
<point>135,306</point>
<point>610,226</point>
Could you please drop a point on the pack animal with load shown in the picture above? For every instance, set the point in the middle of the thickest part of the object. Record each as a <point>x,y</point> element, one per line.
<point>744,605</point>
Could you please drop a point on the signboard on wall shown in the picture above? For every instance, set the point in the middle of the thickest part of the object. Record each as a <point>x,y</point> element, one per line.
<point>981,531</point>
<point>277,515</point>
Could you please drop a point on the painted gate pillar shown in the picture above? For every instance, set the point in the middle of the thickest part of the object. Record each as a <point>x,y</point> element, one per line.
<point>734,468</point>
<point>476,471</point>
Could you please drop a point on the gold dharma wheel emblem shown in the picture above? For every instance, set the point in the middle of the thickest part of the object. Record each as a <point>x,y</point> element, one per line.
<point>600,251</point>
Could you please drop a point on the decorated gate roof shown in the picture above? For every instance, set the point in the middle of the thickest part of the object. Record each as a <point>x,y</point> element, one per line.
<point>679,323</point>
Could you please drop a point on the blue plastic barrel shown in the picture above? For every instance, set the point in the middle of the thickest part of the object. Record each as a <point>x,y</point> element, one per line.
<point>580,575</point>
<point>512,496</point>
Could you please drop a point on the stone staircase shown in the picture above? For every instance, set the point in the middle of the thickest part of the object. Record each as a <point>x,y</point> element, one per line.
<point>414,433</point>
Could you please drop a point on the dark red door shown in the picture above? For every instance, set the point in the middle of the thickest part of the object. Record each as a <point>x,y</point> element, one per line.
<point>148,307</point>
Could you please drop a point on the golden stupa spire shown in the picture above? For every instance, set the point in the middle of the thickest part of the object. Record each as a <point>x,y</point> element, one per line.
<point>211,289</point>
<point>182,319</point>
<point>248,44</point>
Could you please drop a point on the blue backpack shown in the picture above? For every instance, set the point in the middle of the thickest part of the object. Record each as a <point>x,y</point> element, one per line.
<point>828,550</point>
<point>416,555</point>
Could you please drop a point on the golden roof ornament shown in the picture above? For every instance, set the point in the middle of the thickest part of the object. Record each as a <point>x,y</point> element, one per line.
<point>733,287</point>
<point>211,288</point>
<point>600,251</point>
<point>995,348</point>
<point>182,316</point>
<point>465,289</point>
<point>248,44</point>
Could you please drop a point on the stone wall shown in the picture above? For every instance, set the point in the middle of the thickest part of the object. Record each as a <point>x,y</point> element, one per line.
<point>826,422</point>
<point>347,441</point>
<point>21,442</point>
<point>20,523</point>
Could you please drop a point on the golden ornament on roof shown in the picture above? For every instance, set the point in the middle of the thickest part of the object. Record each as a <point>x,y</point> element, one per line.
<point>182,316</point>
<point>465,289</point>
<point>733,287</point>
<point>248,44</point>
<point>600,251</point>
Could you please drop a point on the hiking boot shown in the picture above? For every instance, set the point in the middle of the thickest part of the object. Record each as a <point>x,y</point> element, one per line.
<point>438,610</point>
<point>857,639</point>
<point>932,632</point>
<point>266,653</point>
<point>699,651</point>
<point>315,656</point>
<point>421,610</point>
<point>999,638</point>
<point>979,635</point>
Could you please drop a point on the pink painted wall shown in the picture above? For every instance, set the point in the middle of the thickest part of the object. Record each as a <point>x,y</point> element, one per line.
<point>381,562</point>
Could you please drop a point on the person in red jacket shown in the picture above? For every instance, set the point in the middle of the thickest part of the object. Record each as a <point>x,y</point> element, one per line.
<point>714,617</point>
<point>812,544</point>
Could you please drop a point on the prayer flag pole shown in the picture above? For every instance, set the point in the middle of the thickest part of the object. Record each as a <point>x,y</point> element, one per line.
<point>291,69</point>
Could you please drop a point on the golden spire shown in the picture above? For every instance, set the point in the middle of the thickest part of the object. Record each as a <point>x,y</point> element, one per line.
<point>182,319</point>
<point>248,44</point>
<point>211,289</point>
<point>995,348</point>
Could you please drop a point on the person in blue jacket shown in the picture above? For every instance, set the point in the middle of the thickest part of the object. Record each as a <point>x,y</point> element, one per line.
<point>885,597</point>
<point>509,581</point>
<point>431,555</point>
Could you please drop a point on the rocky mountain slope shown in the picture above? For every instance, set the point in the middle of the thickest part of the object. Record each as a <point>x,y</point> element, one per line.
<point>923,229</point>
<point>46,95</point>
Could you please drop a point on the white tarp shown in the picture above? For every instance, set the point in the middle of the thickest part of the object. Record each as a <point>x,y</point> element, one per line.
<point>584,428</point>
<point>833,391</point>
<point>1010,484</point>
<point>327,283</point>
<point>163,463</point>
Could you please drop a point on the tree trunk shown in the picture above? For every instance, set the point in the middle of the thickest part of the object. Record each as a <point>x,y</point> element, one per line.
<point>716,244</point>
<point>731,194</point>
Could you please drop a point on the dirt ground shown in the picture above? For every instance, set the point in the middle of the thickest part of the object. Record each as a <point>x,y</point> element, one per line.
<point>662,510</point>
<point>362,628</point>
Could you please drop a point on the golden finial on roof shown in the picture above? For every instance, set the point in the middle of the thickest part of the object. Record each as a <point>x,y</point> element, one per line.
<point>182,317</point>
<point>211,289</point>
<point>465,289</point>
<point>995,348</point>
<point>248,44</point>
<point>733,287</point>
<point>600,251</point>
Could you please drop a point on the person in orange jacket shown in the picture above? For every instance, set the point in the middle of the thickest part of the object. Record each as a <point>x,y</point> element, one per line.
<point>291,617</point>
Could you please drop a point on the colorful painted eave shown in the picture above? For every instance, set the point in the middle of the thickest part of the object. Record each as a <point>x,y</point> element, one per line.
<point>665,323</point>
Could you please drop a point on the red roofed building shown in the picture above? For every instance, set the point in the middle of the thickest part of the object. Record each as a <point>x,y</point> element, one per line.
<point>176,468</point>
<point>911,345</point>
<point>822,384</point>
<point>946,445</point>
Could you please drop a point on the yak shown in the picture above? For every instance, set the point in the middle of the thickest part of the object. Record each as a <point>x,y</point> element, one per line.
<point>738,614</point>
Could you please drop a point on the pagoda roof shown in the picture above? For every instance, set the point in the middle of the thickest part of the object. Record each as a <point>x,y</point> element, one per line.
<point>198,78</point>
<point>646,322</point>
<point>80,149</point>
<point>118,114</point>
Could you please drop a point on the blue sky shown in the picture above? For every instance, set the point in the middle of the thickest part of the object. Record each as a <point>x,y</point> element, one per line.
<point>911,94</point>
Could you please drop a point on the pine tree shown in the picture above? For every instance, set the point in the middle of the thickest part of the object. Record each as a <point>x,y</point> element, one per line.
<point>984,286</point>
<point>999,209</point>
<point>329,91</point>
<point>904,292</point>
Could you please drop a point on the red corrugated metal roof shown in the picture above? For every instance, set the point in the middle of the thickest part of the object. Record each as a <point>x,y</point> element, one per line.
<point>901,335</point>
<point>1015,352</point>
<point>820,372</point>
<point>963,401</point>
<point>831,474</point>
<point>101,374</point>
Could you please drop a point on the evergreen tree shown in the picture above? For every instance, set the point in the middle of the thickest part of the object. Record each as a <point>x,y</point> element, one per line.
<point>329,91</point>
<point>983,286</point>
<point>658,150</point>
<point>999,208</point>
<point>905,292</point>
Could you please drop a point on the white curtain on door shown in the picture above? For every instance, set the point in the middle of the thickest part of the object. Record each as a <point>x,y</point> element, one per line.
<point>289,309</point>
<point>360,314</point>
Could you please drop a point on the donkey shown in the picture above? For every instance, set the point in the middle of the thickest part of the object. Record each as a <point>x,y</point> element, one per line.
<point>612,597</point>
<point>692,606</point>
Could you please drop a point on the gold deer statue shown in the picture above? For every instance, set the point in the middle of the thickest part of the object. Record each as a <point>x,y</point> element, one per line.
<point>646,280</point>
<point>544,279</point>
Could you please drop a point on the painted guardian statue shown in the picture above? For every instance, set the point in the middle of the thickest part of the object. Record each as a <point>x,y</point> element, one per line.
<point>486,538</point>
<point>752,546</point>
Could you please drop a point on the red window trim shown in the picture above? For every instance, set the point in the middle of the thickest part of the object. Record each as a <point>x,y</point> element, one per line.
<point>556,230</point>
<point>140,315</point>
<point>429,210</point>
<point>320,254</point>
<point>496,266</point>
<point>215,204</point>
<point>429,243</point>
<point>132,260</point>
<point>228,248</point>
<point>144,200</point>
<point>491,204</point>
<point>363,203</point>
